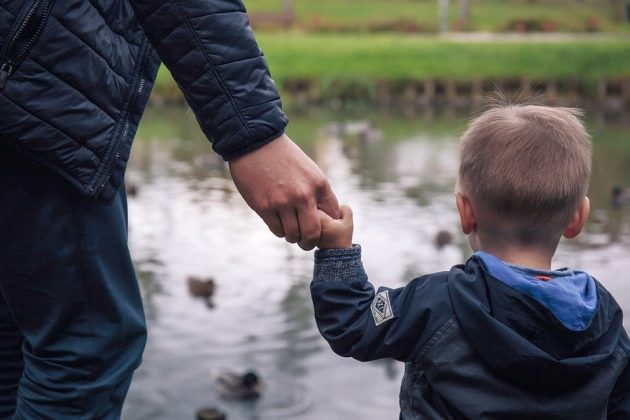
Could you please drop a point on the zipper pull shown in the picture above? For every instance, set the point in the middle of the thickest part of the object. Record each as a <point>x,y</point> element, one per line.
<point>5,73</point>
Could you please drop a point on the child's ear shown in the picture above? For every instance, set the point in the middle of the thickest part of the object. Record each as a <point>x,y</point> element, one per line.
<point>467,216</point>
<point>578,220</point>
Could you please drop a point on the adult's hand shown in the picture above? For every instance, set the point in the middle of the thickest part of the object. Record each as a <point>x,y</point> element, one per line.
<point>285,187</point>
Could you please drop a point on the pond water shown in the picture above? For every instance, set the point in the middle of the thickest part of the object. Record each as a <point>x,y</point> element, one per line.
<point>397,172</point>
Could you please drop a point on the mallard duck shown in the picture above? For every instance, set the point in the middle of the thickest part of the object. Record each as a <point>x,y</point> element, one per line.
<point>210,413</point>
<point>201,287</point>
<point>238,386</point>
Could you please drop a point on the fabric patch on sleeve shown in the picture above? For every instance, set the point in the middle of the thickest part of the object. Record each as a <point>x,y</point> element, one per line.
<point>381,308</point>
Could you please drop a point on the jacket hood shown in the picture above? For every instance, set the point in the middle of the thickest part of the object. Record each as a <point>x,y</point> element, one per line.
<point>519,336</point>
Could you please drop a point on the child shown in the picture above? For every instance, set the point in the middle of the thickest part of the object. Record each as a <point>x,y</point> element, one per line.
<point>503,336</point>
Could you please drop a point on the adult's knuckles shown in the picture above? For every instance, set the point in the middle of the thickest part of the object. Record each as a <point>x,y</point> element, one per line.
<point>302,196</point>
<point>293,199</point>
<point>321,185</point>
<point>264,208</point>
<point>280,203</point>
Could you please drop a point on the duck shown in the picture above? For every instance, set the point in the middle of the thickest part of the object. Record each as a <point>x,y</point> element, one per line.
<point>620,196</point>
<point>210,413</point>
<point>199,287</point>
<point>443,238</point>
<point>365,130</point>
<point>132,190</point>
<point>232,385</point>
<point>370,134</point>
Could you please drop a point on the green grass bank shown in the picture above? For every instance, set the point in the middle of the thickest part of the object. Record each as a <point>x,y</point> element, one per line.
<point>422,15</point>
<point>367,59</point>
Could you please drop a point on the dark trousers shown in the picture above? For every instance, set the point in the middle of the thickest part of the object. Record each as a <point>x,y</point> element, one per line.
<point>72,328</point>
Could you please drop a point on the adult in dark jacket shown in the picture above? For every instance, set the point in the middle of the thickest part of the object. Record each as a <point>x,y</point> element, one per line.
<point>75,77</point>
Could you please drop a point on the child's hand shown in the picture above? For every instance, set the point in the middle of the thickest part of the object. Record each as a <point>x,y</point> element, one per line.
<point>336,233</point>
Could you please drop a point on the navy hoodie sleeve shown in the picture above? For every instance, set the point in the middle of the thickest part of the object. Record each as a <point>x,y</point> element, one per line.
<point>365,324</point>
<point>210,49</point>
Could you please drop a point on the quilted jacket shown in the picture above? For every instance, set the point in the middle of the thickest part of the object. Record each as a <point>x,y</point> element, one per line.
<point>76,75</point>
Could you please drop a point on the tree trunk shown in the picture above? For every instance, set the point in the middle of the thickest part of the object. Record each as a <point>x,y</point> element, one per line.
<point>464,11</point>
<point>443,15</point>
<point>288,6</point>
<point>618,10</point>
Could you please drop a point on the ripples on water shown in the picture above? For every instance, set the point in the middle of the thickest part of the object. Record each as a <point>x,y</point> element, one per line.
<point>188,219</point>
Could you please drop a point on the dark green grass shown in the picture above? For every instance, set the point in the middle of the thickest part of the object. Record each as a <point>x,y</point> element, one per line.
<point>485,15</point>
<point>368,58</point>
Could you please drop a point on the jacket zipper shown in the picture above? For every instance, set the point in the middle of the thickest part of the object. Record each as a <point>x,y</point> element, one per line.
<point>12,59</point>
<point>123,136</point>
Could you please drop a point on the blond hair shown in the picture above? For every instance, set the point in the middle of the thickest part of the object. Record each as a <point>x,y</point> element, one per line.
<point>526,169</point>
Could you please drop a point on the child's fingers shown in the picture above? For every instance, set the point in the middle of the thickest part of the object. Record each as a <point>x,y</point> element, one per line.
<point>324,217</point>
<point>336,233</point>
<point>329,222</point>
<point>346,213</point>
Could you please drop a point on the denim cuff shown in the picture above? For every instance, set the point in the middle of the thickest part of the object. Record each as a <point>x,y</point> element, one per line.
<point>339,265</point>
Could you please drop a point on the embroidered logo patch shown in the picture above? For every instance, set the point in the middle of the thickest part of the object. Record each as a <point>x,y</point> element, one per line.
<point>381,308</point>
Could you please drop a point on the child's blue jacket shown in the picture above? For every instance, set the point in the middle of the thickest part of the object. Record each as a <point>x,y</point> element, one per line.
<point>475,347</point>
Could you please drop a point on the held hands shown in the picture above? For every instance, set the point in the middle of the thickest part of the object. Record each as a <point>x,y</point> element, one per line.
<point>286,188</point>
<point>336,233</point>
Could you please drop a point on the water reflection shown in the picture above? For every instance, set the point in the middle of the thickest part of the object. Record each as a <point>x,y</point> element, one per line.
<point>398,172</point>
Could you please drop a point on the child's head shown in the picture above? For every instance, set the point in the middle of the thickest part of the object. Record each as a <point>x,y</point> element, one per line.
<point>525,171</point>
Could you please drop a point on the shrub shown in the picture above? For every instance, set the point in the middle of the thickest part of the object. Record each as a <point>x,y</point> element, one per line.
<point>593,24</point>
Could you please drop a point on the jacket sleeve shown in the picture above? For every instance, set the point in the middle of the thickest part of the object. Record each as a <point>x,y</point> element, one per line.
<point>619,403</point>
<point>365,324</point>
<point>210,49</point>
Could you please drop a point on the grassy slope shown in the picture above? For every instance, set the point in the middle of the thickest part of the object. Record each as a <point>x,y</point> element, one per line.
<point>487,15</point>
<point>399,57</point>
<point>368,57</point>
